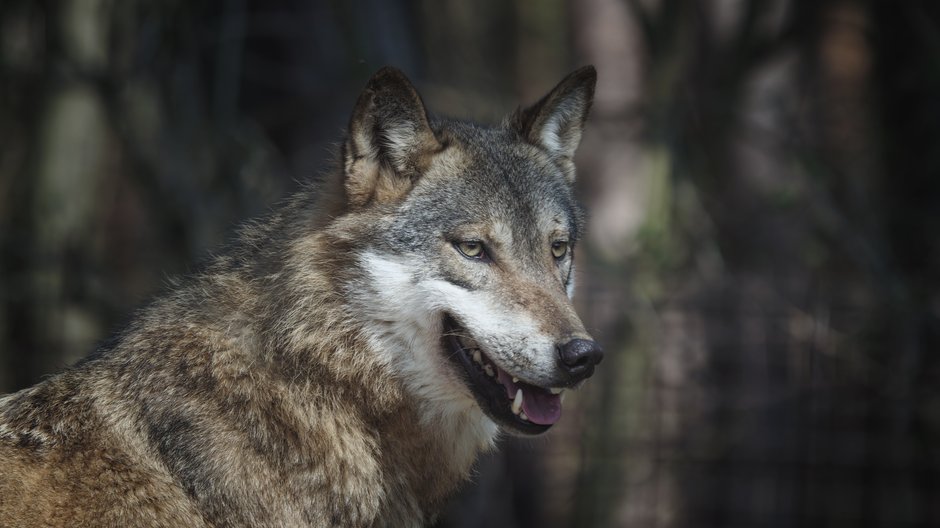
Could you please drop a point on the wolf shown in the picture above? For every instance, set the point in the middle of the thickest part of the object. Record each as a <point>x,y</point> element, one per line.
<point>345,361</point>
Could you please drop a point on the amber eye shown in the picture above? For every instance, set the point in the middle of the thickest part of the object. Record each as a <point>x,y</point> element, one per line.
<point>559,249</point>
<point>470,248</point>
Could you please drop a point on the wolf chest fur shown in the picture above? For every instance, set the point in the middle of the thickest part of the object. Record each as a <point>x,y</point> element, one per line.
<point>346,360</point>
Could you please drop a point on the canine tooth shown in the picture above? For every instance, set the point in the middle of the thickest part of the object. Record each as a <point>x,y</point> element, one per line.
<point>477,356</point>
<point>489,370</point>
<point>517,402</point>
<point>515,379</point>
<point>555,390</point>
<point>523,416</point>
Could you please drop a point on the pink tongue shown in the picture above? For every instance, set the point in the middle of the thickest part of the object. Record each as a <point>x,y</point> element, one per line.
<point>539,405</point>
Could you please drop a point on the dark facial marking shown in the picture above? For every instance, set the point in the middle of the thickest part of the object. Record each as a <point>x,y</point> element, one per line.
<point>457,281</point>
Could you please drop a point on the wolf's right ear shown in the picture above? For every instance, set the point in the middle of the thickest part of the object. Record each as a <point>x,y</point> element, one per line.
<point>390,141</point>
<point>555,122</point>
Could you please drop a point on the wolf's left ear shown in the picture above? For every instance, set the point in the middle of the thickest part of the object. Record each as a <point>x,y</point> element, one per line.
<point>389,142</point>
<point>555,122</point>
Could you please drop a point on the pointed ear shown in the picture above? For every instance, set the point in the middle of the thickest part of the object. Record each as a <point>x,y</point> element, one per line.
<point>555,122</point>
<point>389,142</point>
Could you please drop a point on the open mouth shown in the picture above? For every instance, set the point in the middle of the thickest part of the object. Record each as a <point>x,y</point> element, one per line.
<point>503,396</point>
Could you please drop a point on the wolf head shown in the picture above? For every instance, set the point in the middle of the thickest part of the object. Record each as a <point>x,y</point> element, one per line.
<point>466,238</point>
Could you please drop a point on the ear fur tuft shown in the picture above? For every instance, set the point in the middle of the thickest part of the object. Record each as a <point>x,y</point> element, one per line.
<point>389,141</point>
<point>555,122</point>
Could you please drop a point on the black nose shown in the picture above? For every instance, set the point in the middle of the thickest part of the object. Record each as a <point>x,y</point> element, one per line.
<point>578,357</point>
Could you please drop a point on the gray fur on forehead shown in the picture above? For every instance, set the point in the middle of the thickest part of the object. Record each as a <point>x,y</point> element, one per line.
<point>505,177</point>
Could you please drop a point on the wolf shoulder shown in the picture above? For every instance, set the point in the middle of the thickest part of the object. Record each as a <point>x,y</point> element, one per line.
<point>62,465</point>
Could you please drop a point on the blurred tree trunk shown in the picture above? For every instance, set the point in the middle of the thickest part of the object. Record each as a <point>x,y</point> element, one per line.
<point>57,192</point>
<point>617,172</point>
<point>764,233</point>
<point>905,68</point>
<point>72,182</point>
<point>119,178</point>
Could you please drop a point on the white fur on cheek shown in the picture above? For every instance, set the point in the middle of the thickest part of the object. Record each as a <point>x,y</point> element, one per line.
<point>404,313</point>
<point>510,337</point>
<point>405,329</point>
<point>477,312</point>
<point>391,296</point>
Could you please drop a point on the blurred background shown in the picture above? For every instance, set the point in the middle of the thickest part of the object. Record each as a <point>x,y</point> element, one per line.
<point>763,178</point>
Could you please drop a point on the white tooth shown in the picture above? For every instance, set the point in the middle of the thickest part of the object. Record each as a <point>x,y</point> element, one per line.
<point>517,402</point>
<point>515,379</point>
<point>477,357</point>
<point>489,370</point>
<point>523,416</point>
<point>555,390</point>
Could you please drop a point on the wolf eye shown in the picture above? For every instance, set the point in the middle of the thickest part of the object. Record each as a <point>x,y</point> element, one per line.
<point>471,249</point>
<point>559,249</point>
